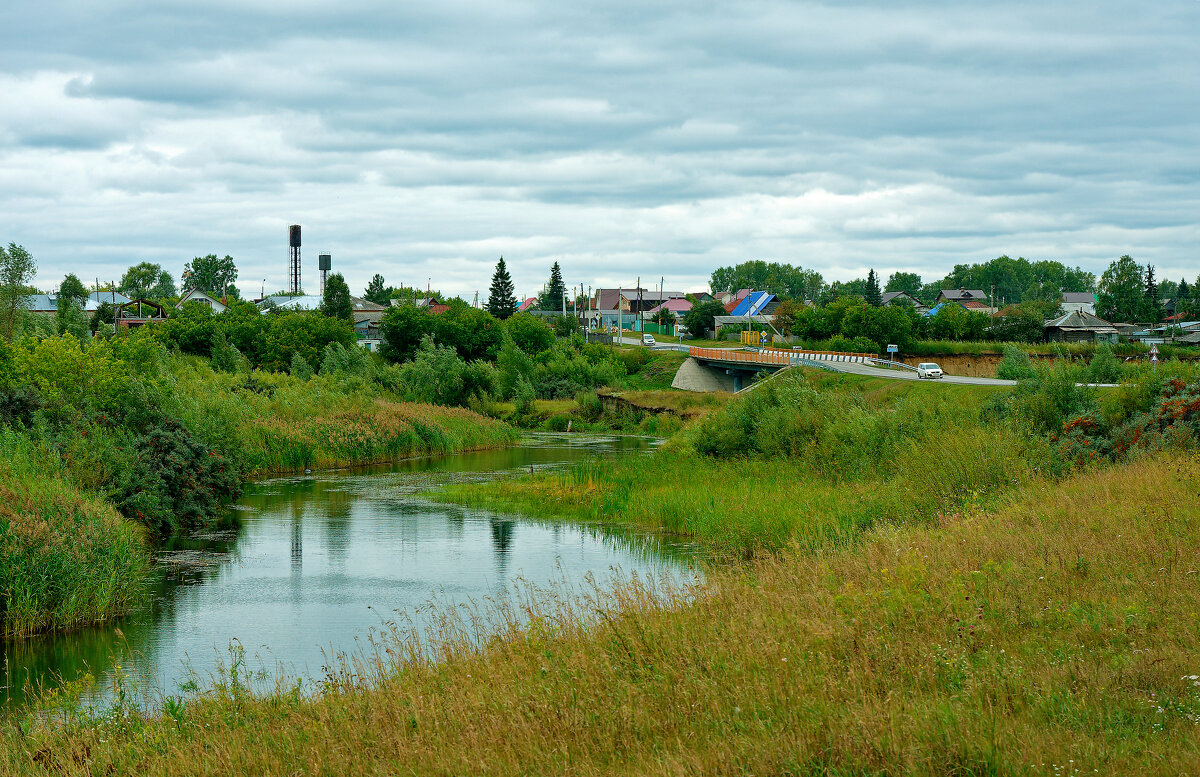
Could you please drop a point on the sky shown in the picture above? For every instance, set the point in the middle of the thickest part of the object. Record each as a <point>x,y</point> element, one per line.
<point>423,141</point>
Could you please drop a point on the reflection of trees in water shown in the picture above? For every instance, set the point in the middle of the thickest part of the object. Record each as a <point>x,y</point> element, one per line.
<point>502,538</point>
<point>338,506</point>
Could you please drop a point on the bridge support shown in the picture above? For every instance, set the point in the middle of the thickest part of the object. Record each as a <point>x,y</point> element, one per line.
<point>694,376</point>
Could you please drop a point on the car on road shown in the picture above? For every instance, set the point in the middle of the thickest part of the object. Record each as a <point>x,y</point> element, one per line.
<point>647,339</point>
<point>928,370</point>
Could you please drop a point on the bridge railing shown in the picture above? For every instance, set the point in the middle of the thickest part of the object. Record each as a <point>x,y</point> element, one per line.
<point>749,357</point>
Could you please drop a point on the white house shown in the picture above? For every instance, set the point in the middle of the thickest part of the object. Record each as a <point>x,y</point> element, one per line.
<point>1079,302</point>
<point>198,296</point>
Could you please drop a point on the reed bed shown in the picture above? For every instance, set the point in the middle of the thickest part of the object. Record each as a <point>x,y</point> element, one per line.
<point>68,557</point>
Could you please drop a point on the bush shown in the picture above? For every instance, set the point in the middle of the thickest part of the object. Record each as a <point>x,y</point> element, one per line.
<point>1104,367</point>
<point>529,332</point>
<point>1015,365</point>
<point>439,376</point>
<point>300,368</point>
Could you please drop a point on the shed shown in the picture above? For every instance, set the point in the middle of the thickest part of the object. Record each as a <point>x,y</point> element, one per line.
<point>1080,327</point>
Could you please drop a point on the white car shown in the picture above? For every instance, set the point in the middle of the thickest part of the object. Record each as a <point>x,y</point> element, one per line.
<point>647,339</point>
<point>928,370</point>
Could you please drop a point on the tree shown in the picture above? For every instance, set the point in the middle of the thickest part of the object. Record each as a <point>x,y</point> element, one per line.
<point>1121,294</point>
<point>1152,307</point>
<point>904,281</point>
<point>164,287</point>
<point>211,275</point>
<point>552,297</point>
<point>16,272</point>
<point>871,292</point>
<point>663,317</point>
<point>139,281</point>
<point>71,296</point>
<point>401,329</point>
<point>377,292</point>
<point>1183,298</point>
<point>502,300</point>
<point>336,303</point>
<point>529,333</point>
<point>701,318</point>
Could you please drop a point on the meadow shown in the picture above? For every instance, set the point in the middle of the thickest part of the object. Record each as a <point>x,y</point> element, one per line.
<point>1051,631</point>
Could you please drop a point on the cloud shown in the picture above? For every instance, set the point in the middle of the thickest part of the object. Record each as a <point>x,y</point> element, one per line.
<point>425,140</point>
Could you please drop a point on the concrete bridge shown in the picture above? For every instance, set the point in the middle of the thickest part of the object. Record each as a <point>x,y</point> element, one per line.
<point>729,369</point>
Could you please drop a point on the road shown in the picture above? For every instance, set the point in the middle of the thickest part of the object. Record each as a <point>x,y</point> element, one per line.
<point>855,368</point>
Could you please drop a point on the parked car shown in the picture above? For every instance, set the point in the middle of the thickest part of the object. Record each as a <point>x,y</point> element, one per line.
<point>647,339</point>
<point>928,370</point>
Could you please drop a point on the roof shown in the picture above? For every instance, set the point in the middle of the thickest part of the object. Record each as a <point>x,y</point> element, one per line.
<point>888,296</point>
<point>974,304</point>
<point>48,303</point>
<point>195,295</point>
<point>753,304</point>
<point>654,296</point>
<point>527,304</point>
<point>1079,296</point>
<point>306,302</point>
<point>606,299</point>
<point>963,294</point>
<point>677,305</point>
<point>1078,319</point>
<point>362,305</point>
<point>111,297</point>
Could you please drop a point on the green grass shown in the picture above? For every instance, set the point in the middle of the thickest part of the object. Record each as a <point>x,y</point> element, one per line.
<point>66,557</point>
<point>1053,635</point>
<point>815,460</point>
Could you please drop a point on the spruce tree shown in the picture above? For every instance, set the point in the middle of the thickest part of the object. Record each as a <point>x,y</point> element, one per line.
<point>1152,309</point>
<point>552,298</point>
<point>502,300</point>
<point>871,292</point>
<point>1183,298</point>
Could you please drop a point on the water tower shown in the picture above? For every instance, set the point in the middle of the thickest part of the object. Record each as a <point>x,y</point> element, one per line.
<point>324,261</point>
<point>294,273</point>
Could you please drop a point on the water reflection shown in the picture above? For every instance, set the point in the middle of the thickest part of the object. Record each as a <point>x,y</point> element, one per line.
<point>322,559</point>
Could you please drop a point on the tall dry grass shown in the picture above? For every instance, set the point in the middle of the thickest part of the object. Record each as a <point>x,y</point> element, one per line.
<point>1055,635</point>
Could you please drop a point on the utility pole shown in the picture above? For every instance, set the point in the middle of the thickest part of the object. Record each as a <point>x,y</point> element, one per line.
<point>620,294</point>
<point>642,323</point>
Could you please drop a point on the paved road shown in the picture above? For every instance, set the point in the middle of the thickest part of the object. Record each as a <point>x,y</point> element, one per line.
<point>854,367</point>
<point>876,372</point>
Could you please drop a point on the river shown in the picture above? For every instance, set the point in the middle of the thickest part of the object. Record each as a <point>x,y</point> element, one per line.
<point>323,561</point>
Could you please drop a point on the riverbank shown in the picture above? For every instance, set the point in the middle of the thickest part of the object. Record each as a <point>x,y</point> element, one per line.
<point>1054,634</point>
<point>98,471</point>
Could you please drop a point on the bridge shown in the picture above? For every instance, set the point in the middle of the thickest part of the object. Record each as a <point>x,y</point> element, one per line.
<point>730,369</point>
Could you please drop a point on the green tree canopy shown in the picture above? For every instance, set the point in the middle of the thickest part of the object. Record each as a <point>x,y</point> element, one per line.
<point>212,275</point>
<point>502,300</point>
<point>17,269</point>
<point>71,296</point>
<point>529,333</point>
<point>147,281</point>
<point>783,280</point>
<point>904,281</point>
<point>1121,296</point>
<point>336,302</point>
<point>377,291</point>
<point>1152,306</point>
<point>700,318</point>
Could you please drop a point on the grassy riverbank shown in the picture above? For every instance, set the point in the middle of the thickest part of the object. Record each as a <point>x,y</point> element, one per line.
<point>1055,634</point>
<point>108,447</point>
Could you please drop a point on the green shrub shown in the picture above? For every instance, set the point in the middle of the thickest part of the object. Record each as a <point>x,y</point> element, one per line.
<point>300,368</point>
<point>1015,365</point>
<point>1104,367</point>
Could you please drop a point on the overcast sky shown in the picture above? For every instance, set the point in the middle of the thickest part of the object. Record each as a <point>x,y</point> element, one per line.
<point>622,139</point>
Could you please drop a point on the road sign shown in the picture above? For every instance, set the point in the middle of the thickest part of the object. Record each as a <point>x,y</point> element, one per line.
<point>892,348</point>
<point>1154,353</point>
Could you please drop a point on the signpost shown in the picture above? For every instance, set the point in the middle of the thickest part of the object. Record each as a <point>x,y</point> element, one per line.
<point>1154,353</point>
<point>892,350</point>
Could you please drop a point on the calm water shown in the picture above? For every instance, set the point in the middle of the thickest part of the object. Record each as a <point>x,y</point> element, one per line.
<point>321,560</point>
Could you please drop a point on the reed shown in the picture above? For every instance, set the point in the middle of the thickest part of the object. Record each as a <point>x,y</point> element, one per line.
<point>67,557</point>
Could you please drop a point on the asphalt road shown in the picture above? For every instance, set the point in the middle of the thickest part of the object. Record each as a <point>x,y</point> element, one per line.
<point>855,368</point>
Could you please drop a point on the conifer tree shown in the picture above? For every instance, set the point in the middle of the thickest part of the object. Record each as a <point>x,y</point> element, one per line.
<point>502,300</point>
<point>552,298</point>
<point>871,292</point>
<point>1183,301</point>
<point>1152,309</point>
